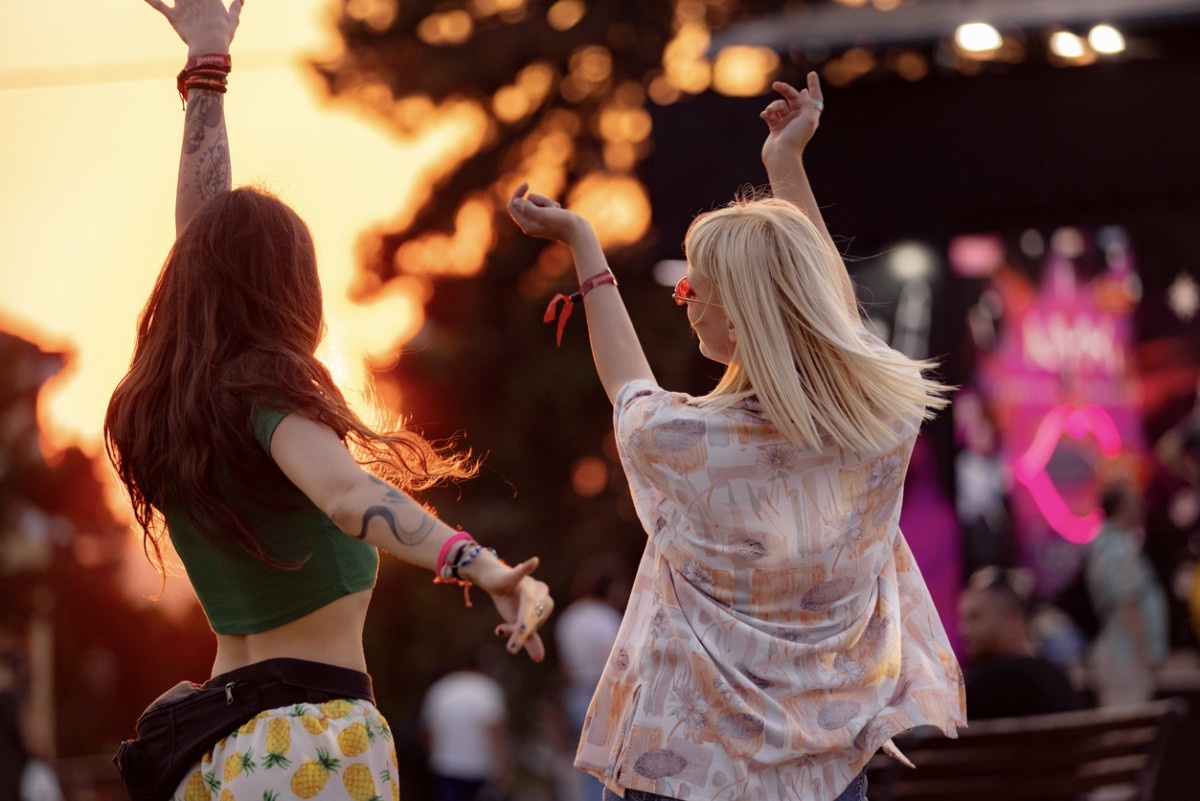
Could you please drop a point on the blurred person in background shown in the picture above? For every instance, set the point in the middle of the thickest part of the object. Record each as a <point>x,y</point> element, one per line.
<point>233,441</point>
<point>1179,451</point>
<point>27,709</point>
<point>464,725</point>
<point>1129,601</point>
<point>14,714</point>
<point>1005,677</point>
<point>778,632</point>
<point>584,634</point>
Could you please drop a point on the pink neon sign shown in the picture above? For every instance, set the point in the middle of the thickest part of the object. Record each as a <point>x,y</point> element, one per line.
<point>1030,467</point>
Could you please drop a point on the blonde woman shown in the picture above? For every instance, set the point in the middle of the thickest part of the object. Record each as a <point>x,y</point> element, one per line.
<point>779,632</point>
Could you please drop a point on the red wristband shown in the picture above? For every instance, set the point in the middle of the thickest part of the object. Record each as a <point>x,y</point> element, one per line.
<point>217,60</point>
<point>599,279</point>
<point>441,560</point>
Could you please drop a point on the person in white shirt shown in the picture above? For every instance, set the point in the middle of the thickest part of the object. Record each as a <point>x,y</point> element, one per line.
<point>464,721</point>
<point>584,634</point>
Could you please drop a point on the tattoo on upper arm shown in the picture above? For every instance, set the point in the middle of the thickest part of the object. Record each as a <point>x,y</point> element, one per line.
<point>403,535</point>
<point>392,493</point>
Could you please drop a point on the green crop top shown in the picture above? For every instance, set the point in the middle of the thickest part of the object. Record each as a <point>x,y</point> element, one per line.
<point>241,595</point>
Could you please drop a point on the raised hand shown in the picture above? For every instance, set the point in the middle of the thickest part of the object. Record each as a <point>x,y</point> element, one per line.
<point>792,119</point>
<point>538,215</point>
<point>205,25</point>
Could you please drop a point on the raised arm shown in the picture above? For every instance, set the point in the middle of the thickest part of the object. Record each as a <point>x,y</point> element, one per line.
<point>363,506</point>
<point>791,121</point>
<point>207,27</point>
<point>615,346</point>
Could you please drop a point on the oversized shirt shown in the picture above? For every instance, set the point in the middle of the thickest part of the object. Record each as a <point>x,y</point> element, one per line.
<point>779,631</point>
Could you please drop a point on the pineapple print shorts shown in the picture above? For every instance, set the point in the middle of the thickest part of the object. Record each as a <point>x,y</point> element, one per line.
<point>339,749</point>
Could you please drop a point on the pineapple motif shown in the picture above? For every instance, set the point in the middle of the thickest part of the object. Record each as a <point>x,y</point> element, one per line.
<point>196,788</point>
<point>355,739</point>
<point>359,783</point>
<point>385,776</point>
<point>226,796</point>
<point>383,727</point>
<point>310,778</point>
<point>314,724</point>
<point>339,708</point>
<point>279,740</point>
<point>270,795</point>
<point>238,763</point>
<point>249,726</point>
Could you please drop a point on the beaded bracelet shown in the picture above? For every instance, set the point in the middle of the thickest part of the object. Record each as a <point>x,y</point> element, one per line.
<point>478,549</point>
<point>569,301</point>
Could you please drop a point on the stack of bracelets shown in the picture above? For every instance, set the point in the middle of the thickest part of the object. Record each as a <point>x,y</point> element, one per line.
<point>203,72</point>
<point>447,570</point>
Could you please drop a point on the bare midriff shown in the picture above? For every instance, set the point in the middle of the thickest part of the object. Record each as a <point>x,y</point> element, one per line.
<point>332,635</point>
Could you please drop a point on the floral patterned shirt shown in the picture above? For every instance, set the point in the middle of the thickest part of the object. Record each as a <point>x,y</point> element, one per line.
<point>779,631</point>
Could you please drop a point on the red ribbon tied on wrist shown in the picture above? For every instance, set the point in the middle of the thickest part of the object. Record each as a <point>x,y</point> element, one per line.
<point>563,313</point>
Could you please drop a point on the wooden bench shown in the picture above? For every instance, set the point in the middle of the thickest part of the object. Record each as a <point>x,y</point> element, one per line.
<point>1110,753</point>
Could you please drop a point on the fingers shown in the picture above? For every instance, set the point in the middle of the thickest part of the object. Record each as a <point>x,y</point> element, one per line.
<point>775,108</point>
<point>793,99</point>
<point>159,6</point>
<point>519,192</point>
<point>525,568</point>
<point>791,95</point>
<point>235,11</point>
<point>814,87</point>
<point>543,202</point>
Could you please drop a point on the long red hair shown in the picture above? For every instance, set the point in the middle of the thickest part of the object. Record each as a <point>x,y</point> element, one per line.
<point>234,320</point>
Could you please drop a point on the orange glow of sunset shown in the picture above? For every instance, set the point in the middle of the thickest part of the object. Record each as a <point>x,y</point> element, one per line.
<point>93,128</point>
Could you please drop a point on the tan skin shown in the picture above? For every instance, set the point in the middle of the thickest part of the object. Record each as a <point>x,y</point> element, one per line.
<point>310,453</point>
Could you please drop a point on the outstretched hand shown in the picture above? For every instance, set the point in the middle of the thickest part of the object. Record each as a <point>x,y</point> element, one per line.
<point>205,25</point>
<point>523,602</point>
<point>540,216</point>
<point>792,119</point>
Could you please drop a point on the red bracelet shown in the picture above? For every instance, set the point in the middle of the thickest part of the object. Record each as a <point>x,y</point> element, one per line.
<point>569,301</point>
<point>212,86</point>
<point>210,65</point>
<point>441,560</point>
<point>218,60</point>
<point>599,279</point>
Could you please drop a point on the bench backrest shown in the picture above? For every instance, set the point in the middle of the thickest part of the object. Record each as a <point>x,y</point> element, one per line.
<point>1042,758</point>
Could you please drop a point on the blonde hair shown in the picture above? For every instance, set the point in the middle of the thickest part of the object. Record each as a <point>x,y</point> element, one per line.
<point>799,346</point>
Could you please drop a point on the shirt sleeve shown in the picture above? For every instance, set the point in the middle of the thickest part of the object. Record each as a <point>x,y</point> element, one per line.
<point>264,422</point>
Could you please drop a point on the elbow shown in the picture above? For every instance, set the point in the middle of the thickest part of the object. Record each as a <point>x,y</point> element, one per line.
<point>341,507</point>
<point>343,517</point>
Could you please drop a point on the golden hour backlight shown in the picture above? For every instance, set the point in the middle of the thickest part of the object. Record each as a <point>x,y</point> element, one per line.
<point>89,170</point>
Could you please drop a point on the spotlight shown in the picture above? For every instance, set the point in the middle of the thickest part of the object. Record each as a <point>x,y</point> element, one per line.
<point>1106,39</point>
<point>1067,45</point>
<point>977,37</point>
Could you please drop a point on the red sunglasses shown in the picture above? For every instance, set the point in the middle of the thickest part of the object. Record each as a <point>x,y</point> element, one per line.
<point>684,293</point>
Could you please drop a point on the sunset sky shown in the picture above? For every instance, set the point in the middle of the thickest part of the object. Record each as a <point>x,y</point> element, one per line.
<point>92,131</point>
<point>91,141</point>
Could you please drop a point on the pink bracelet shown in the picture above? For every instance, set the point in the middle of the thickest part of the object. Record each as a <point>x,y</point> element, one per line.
<point>599,279</point>
<point>441,560</point>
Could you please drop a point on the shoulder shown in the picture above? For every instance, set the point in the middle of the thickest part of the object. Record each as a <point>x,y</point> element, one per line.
<point>642,399</point>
